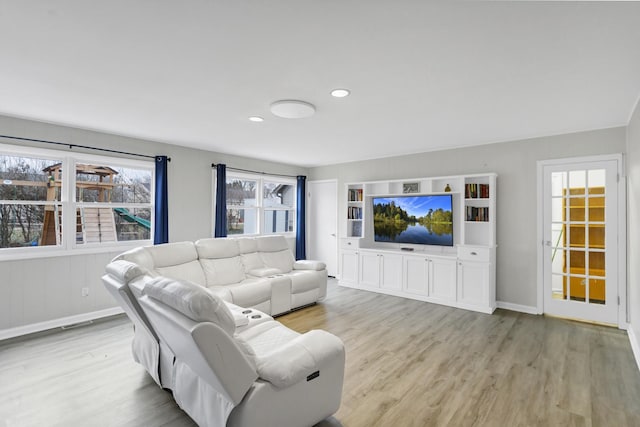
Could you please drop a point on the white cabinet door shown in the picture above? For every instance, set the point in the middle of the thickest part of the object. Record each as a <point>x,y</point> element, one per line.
<point>349,267</point>
<point>416,275</point>
<point>370,269</point>
<point>391,274</point>
<point>442,283</point>
<point>473,283</point>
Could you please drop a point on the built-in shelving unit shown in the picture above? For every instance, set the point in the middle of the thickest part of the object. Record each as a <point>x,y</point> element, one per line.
<point>355,218</point>
<point>462,275</point>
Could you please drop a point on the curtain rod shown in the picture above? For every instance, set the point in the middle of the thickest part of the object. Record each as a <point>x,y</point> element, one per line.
<point>71,146</point>
<point>213,165</point>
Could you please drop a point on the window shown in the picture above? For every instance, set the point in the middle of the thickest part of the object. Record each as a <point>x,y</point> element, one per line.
<point>30,202</point>
<point>49,199</point>
<point>113,203</point>
<point>260,205</point>
<point>278,201</point>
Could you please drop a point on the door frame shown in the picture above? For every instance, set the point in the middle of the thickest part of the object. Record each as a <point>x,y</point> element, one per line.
<point>308,191</point>
<point>623,289</point>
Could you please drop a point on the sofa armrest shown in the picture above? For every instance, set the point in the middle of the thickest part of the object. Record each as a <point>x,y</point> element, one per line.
<point>125,271</point>
<point>300,358</point>
<point>305,264</point>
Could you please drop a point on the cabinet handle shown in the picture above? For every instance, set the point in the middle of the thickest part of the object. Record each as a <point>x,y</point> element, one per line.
<point>474,253</point>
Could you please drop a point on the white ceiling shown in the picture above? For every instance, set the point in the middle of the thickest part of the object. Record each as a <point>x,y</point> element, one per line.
<point>424,76</point>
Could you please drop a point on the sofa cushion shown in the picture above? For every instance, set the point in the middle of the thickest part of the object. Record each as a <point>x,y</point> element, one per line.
<point>272,243</point>
<point>247,245</point>
<point>264,338</point>
<point>177,260</point>
<point>221,292</point>
<point>282,260</point>
<point>217,248</point>
<point>264,272</point>
<point>250,292</point>
<point>169,254</point>
<point>191,271</point>
<point>223,271</point>
<point>192,300</point>
<point>251,261</point>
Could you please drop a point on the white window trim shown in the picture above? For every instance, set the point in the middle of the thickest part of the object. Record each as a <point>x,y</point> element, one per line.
<point>68,203</point>
<point>261,179</point>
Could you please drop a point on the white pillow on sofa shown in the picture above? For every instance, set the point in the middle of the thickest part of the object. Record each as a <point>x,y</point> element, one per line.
<point>194,301</point>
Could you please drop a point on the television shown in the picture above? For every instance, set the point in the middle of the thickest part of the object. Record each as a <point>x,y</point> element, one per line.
<point>415,219</point>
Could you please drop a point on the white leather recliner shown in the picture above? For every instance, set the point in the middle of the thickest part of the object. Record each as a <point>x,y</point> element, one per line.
<point>258,374</point>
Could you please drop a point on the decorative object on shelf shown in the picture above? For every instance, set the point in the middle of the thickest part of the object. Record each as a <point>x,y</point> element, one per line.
<point>356,230</point>
<point>411,187</point>
<point>447,189</point>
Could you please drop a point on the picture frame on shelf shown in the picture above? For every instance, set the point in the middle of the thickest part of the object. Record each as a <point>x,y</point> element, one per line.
<point>410,187</point>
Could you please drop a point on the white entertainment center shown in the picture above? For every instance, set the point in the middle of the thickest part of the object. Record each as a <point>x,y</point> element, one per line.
<point>461,274</point>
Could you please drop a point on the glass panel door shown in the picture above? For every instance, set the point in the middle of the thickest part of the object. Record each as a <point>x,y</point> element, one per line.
<point>580,212</point>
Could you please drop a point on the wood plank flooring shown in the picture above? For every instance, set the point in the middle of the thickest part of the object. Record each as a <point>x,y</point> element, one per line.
<point>409,363</point>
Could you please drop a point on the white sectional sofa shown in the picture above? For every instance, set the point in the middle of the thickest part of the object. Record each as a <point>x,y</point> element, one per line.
<point>255,272</point>
<point>250,278</point>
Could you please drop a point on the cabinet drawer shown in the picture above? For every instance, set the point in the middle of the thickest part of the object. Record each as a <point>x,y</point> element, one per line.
<point>349,244</point>
<point>473,253</point>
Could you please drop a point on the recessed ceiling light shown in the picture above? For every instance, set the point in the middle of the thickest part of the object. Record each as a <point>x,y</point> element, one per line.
<point>256,119</point>
<point>292,109</point>
<point>340,93</point>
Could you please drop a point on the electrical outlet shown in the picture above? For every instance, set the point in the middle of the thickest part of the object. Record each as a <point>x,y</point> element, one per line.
<point>85,292</point>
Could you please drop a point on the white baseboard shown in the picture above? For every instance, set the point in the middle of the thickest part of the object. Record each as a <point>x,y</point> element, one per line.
<point>517,307</point>
<point>57,323</point>
<point>635,344</point>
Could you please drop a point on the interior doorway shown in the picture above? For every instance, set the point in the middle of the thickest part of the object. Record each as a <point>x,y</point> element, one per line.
<point>322,223</point>
<point>582,256</point>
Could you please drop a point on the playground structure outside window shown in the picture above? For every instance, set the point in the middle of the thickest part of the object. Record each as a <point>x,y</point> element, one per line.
<point>51,200</point>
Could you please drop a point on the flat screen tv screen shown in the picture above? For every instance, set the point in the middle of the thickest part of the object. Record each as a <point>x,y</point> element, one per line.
<point>421,220</point>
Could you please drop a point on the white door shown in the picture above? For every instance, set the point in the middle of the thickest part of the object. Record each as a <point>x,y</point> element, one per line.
<point>322,223</point>
<point>581,253</point>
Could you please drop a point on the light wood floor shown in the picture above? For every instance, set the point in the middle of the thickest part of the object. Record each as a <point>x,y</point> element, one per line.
<point>409,363</point>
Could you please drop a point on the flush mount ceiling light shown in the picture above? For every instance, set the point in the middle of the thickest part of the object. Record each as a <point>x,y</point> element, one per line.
<point>292,109</point>
<point>256,119</point>
<point>340,93</point>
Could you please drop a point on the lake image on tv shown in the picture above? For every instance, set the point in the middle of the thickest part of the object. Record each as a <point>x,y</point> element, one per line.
<point>426,220</point>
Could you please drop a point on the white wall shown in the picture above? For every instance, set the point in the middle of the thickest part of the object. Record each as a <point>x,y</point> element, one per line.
<point>515,164</point>
<point>44,292</point>
<point>633,228</point>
